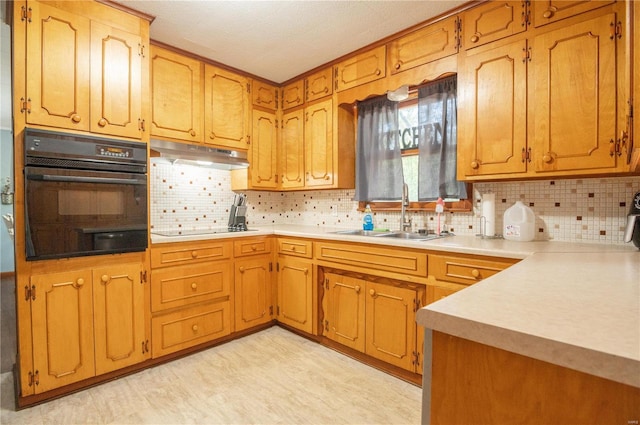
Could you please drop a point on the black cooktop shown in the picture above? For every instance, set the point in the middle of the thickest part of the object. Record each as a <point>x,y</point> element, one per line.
<point>193,232</point>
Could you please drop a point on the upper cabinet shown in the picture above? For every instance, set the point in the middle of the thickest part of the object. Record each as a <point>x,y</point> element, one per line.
<point>263,153</point>
<point>83,73</point>
<point>264,95</point>
<point>177,100</point>
<point>425,45</point>
<point>547,11</point>
<point>548,102</point>
<point>494,20</point>
<point>319,148</point>
<point>360,69</point>
<point>319,85</point>
<point>293,95</point>
<point>226,108</point>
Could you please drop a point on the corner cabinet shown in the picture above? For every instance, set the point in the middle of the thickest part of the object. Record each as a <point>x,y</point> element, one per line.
<point>67,57</point>
<point>86,323</point>
<point>226,108</point>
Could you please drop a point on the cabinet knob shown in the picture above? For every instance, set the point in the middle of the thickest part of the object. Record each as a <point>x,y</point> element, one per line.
<point>241,269</point>
<point>357,289</point>
<point>378,72</point>
<point>194,254</point>
<point>547,158</point>
<point>194,286</point>
<point>475,165</point>
<point>194,328</point>
<point>254,248</point>
<point>102,122</point>
<point>104,278</point>
<point>192,133</point>
<point>475,273</point>
<point>398,65</point>
<point>548,13</point>
<point>372,292</point>
<point>293,248</point>
<point>79,282</point>
<point>76,118</point>
<point>475,38</point>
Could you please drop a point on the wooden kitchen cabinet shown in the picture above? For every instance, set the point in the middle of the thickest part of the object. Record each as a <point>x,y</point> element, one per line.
<point>177,98</point>
<point>120,306</point>
<point>494,20</point>
<point>291,150</point>
<point>295,293</point>
<point>62,328</point>
<point>319,85</point>
<point>425,45</point>
<point>70,57</point>
<point>263,154</point>
<point>360,69</point>
<point>253,290</point>
<point>345,310</point>
<point>264,95</point>
<point>548,11</point>
<point>293,95</point>
<point>319,145</point>
<point>226,108</point>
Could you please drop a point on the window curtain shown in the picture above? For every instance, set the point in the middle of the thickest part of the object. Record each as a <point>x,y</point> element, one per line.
<point>438,142</point>
<point>379,160</point>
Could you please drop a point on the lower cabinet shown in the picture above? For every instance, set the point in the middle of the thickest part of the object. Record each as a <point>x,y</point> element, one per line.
<point>295,293</point>
<point>86,323</point>
<point>253,289</point>
<point>375,318</point>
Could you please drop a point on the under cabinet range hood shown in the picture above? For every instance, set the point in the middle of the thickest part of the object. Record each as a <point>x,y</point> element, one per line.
<point>226,159</point>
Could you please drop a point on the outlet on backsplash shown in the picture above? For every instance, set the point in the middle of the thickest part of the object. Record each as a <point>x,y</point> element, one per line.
<point>584,210</point>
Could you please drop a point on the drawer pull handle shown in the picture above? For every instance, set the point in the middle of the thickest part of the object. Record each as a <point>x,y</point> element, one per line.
<point>475,38</point>
<point>102,122</point>
<point>357,289</point>
<point>194,328</point>
<point>475,273</point>
<point>104,278</point>
<point>293,248</point>
<point>194,254</point>
<point>194,286</point>
<point>79,282</point>
<point>241,269</point>
<point>254,248</point>
<point>76,118</point>
<point>372,292</point>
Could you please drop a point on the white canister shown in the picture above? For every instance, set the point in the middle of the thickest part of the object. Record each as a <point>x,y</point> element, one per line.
<point>519,223</point>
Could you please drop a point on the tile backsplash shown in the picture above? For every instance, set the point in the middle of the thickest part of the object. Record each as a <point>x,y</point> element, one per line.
<point>575,210</point>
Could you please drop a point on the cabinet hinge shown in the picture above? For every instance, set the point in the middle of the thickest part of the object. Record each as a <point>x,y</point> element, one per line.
<point>276,178</point>
<point>335,78</point>
<point>143,276</point>
<point>270,267</point>
<point>270,310</point>
<point>615,30</point>
<point>526,54</point>
<point>248,87</point>
<point>141,125</point>
<point>326,325</point>
<point>277,97</point>
<point>34,378</point>
<point>25,105</point>
<point>416,304</point>
<point>30,292</point>
<point>458,34</point>
<point>141,50</point>
<point>26,14</point>
<point>278,310</point>
<point>526,155</point>
<point>415,359</point>
<point>526,13</point>
<point>248,139</point>
<point>326,283</point>
<point>277,267</point>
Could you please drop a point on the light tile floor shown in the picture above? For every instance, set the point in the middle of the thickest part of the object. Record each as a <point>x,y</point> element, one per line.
<point>271,377</point>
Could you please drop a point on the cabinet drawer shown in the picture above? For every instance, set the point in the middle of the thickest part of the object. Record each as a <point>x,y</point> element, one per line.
<point>296,247</point>
<point>184,285</point>
<point>466,269</point>
<point>363,68</point>
<point>366,257</point>
<point>255,246</point>
<point>189,327</point>
<point>189,252</point>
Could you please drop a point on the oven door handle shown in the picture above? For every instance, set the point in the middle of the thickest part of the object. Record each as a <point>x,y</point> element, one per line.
<point>76,179</point>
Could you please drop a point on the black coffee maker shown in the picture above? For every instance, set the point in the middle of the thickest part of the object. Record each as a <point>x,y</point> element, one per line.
<point>632,232</point>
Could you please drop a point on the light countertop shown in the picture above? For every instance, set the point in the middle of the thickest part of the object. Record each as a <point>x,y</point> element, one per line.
<point>574,305</point>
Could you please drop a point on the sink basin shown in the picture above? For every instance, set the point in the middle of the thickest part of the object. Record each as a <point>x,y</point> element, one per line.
<point>359,232</point>
<point>406,235</point>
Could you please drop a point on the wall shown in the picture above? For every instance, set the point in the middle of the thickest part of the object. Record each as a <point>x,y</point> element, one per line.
<point>584,210</point>
<point>6,142</point>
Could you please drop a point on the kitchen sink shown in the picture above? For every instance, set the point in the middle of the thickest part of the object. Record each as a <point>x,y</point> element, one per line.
<point>359,232</point>
<point>407,235</point>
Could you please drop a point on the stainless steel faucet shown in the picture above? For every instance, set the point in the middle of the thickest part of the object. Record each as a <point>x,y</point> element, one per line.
<point>405,222</point>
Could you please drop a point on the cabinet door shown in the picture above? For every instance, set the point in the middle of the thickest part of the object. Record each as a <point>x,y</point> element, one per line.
<point>264,95</point>
<point>319,85</point>
<point>58,63</point>
<point>318,136</point>
<point>119,317</point>
<point>391,325</point>
<point>492,21</point>
<point>293,95</point>
<point>291,150</point>
<point>574,95</point>
<point>116,82</point>
<point>176,96</point>
<point>492,128</point>
<point>424,45</point>
<point>295,293</point>
<point>62,321</point>
<point>547,11</point>
<point>363,68</point>
<point>263,157</point>
<point>345,301</point>
<point>252,292</point>
<point>226,110</point>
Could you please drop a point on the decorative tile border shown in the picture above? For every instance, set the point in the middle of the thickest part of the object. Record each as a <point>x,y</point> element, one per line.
<point>576,210</point>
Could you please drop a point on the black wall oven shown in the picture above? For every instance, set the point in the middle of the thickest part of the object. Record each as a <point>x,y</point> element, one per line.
<point>83,195</point>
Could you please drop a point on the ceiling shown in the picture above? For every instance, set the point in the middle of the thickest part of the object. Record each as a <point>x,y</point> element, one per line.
<point>279,40</point>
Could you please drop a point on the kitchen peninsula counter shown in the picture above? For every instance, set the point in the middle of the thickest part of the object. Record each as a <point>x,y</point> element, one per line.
<point>570,304</point>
